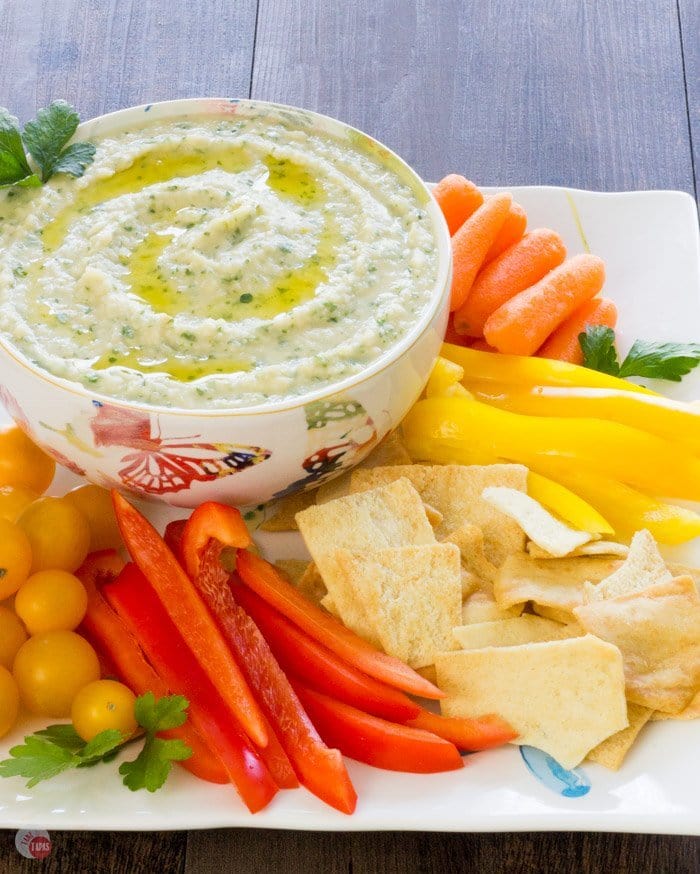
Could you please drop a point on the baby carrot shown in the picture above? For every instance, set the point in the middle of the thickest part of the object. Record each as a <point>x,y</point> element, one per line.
<point>519,267</point>
<point>471,243</point>
<point>563,343</point>
<point>458,198</point>
<point>512,230</point>
<point>522,324</point>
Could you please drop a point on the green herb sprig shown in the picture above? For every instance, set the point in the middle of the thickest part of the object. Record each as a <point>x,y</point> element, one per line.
<point>671,361</point>
<point>45,141</point>
<point>58,748</point>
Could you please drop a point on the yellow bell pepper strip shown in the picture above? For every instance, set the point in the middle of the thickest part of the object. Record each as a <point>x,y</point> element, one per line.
<point>568,506</point>
<point>628,510</point>
<point>455,429</point>
<point>446,380</point>
<point>673,420</point>
<point>521,370</point>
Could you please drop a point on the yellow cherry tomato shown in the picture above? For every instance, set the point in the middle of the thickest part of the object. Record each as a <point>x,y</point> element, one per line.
<point>101,705</point>
<point>50,670</point>
<point>95,504</point>
<point>15,558</point>
<point>9,701</point>
<point>51,601</point>
<point>58,532</point>
<point>22,463</point>
<point>14,500</point>
<point>12,636</point>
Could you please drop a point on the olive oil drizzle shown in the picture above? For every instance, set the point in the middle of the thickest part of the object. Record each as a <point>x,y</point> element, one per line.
<point>179,367</point>
<point>288,179</point>
<point>151,168</point>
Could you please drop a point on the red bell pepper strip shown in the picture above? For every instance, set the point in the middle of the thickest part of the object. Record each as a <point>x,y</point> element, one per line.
<point>321,770</point>
<point>264,580</point>
<point>180,600</point>
<point>277,761</point>
<point>211,521</point>
<point>138,606</point>
<point>114,642</point>
<point>376,741</point>
<point>318,667</point>
<point>470,735</point>
<point>212,577</point>
<point>173,538</point>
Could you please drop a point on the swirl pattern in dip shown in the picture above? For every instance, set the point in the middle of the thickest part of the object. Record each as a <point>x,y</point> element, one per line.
<point>216,262</point>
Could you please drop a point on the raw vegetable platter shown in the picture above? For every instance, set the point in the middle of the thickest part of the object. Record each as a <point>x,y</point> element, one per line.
<point>649,242</point>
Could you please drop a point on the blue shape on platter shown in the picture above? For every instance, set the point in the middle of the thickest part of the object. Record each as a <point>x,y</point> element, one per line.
<point>570,784</point>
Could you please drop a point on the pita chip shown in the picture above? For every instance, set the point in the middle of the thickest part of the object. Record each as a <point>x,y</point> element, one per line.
<point>455,490</point>
<point>539,524</point>
<point>470,540</point>
<point>510,632</point>
<point>643,567</point>
<point>611,753</point>
<point>594,547</point>
<point>563,696</point>
<point>657,630</point>
<point>411,596</point>
<point>552,582</point>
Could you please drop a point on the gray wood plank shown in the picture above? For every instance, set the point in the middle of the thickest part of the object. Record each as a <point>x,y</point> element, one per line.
<point>100,853</point>
<point>587,94</point>
<point>689,14</point>
<point>103,55</point>
<point>221,852</point>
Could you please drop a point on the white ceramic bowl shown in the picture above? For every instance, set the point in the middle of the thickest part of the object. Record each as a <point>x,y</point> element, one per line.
<point>240,456</point>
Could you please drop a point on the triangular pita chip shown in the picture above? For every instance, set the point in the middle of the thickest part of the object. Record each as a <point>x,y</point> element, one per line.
<point>470,540</point>
<point>563,696</point>
<point>455,490</point>
<point>658,633</point>
<point>643,567</point>
<point>611,753</point>
<point>552,582</point>
<point>512,632</point>
<point>392,515</point>
<point>539,524</point>
<point>411,596</point>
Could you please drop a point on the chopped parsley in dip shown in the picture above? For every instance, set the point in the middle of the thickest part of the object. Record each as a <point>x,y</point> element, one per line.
<point>217,262</point>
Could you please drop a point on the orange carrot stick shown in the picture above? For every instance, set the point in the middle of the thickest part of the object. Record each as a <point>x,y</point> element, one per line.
<point>471,243</point>
<point>516,269</point>
<point>563,344</point>
<point>512,231</point>
<point>522,324</point>
<point>458,198</point>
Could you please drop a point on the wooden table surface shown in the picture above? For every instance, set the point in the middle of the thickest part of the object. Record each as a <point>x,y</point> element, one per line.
<point>601,94</point>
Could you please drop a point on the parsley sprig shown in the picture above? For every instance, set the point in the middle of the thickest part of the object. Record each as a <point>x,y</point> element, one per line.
<point>58,748</point>
<point>45,141</point>
<point>671,361</point>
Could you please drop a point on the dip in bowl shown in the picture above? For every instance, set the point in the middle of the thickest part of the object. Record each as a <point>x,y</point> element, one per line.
<point>237,300</point>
